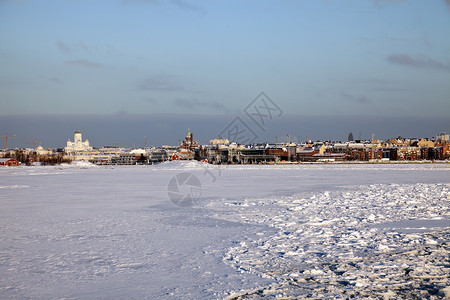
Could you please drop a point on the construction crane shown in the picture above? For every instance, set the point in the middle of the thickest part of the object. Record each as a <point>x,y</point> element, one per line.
<point>7,137</point>
<point>35,143</point>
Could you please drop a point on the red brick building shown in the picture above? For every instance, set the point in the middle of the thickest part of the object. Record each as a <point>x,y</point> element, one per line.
<point>189,143</point>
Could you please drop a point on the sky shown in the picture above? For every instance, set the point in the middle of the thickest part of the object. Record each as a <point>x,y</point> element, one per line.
<point>153,68</point>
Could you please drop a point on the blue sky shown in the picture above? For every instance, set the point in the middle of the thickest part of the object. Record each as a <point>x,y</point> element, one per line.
<point>313,58</point>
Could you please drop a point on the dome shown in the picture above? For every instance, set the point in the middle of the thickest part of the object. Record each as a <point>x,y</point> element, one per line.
<point>78,131</point>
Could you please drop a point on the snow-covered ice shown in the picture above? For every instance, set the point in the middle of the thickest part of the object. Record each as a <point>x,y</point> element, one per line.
<point>321,231</point>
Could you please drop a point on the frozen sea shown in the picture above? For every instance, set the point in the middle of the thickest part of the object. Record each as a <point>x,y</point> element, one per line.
<point>332,231</point>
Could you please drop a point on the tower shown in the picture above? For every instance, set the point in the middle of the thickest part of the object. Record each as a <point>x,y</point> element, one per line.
<point>350,137</point>
<point>189,137</point>
<point>77,137</point>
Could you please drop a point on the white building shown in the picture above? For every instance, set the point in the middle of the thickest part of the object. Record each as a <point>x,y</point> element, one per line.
<point>77,144</point>
<point>41,151</point>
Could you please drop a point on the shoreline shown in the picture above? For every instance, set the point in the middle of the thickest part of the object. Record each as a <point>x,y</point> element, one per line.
<point>86,163</point>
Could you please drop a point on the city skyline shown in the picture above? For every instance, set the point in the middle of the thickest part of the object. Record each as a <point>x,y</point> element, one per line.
<point>125,70</point>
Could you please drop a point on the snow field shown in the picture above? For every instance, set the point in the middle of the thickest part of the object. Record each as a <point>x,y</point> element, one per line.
<point>318,231</point>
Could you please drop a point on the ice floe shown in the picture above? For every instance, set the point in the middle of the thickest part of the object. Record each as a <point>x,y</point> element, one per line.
<point>347,243</point>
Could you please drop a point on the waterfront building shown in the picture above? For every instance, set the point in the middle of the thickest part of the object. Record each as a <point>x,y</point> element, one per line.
<point>77,144</point>
<point>189,143</point>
